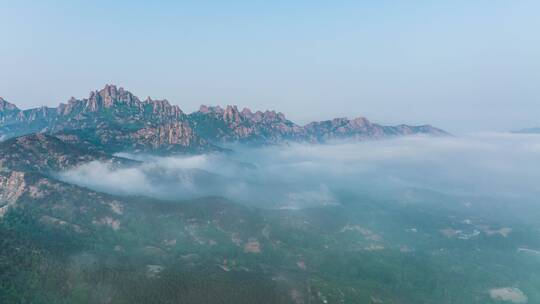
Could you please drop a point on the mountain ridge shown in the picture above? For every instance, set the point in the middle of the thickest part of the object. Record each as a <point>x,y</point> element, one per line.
<point>532,130</point>
<point>117,120</point>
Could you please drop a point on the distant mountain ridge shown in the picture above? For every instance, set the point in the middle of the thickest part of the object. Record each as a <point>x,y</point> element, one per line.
<point>117,120</point>
<point>528,131</point>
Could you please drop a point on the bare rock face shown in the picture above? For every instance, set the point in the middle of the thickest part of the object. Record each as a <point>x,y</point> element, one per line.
<point>109,96</point>
<point>230,124</point>
<point>5,106</point>
<point>176,135</point>
<point>12,186</point>
<point>8,113</point>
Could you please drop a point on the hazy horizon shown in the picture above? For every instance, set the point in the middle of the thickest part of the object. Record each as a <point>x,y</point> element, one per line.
<point>461,66</point>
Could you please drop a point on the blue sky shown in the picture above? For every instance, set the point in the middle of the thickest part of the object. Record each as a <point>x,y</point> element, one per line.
<point>461,65</point>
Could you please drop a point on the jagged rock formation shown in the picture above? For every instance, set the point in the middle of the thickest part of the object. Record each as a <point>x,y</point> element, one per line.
<point>6,107</point>
<point>114,119</point>
<point>230,124</point>
<point>111,118</point>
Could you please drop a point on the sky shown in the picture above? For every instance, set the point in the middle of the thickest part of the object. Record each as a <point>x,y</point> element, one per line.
<point>464,66</point>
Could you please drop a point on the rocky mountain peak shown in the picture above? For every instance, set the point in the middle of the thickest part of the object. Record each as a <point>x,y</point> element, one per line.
<point>247,112</point>
<point>211,109</point>
<point>157,102</point>
<point>273,115</point>
<point>109,96</point>
<point>65,108</point>
<point>7,106</point>
<point>115,120</point>
<point>360,122</point>
<point>163,107</point>
<point>231,114</point>
<point>204,109</point>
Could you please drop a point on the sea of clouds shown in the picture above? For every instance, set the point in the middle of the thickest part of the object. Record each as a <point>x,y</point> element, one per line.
<point>301,175</point>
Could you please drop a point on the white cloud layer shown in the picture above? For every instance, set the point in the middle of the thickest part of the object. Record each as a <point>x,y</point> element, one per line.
<point>298,175</point>
<point>508,294</point>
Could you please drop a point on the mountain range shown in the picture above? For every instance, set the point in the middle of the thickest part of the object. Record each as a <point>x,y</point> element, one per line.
<point>113,119</point>
<point>528,131</point>
<point>38,142</point>
<point>67,242</point>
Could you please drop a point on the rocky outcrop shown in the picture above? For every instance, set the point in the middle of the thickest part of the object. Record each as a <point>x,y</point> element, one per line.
<point>230,124</point>
<point>58,203</point>
<point>8,112</point>
<point>6,107</point>
<point>168,137</point>
<point>116,105</point>
<point>12,186</point>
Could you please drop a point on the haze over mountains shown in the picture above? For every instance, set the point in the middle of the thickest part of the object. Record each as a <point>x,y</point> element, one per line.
<point>302,155</point>
<point>113,199</point>
<point>349,222</point>
<point>116,120</point>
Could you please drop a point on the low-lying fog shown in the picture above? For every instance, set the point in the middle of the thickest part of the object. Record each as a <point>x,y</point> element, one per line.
<point>301,175</point>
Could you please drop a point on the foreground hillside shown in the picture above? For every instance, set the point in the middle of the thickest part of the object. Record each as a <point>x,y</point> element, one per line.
<point>63,243</point>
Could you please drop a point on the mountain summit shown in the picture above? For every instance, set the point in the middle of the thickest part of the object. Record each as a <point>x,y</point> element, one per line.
<point>5,106</point>
<point>115,120</point>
